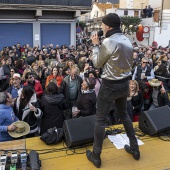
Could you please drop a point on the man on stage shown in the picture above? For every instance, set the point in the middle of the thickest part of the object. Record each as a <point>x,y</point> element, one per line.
<point>115,58</point>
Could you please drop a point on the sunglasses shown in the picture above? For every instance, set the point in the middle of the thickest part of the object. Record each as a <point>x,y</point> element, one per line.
<point>30,77</point>
<point>145,62</point>
<point>11,71</point>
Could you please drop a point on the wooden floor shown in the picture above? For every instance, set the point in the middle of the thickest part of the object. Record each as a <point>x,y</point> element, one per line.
<point>155,155</point>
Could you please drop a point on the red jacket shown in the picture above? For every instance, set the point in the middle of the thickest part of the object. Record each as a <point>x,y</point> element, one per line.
<point>37,87</point>
<point>58,79</point>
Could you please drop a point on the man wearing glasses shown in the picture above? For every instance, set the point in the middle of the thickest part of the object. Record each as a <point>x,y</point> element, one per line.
<point>143,71</point>
<point>35,84</point>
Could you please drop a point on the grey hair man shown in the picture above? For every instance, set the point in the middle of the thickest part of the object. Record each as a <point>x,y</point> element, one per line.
<point>7,116</point>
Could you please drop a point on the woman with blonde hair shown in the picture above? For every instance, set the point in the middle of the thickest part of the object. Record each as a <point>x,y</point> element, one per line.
<point>36,71</point>
<point>27,69</point>
<point>134,101</point>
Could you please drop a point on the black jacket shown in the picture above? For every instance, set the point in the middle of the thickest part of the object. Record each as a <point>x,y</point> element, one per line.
<point>52,107</point>
<point>86,103</point>
<point>30,60</point>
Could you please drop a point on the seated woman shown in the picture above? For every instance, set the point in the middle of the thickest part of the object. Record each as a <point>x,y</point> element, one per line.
<point>54,77</point>
<point>135,100</point>
<point>52,105</point>
<point>27,109</point>
<point>86,101</point>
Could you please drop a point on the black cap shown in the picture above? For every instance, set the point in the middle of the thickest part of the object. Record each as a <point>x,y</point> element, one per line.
<point>111,20</point>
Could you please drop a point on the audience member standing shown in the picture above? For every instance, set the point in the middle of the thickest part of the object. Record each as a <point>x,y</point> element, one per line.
<point>53,104</point>
<point>70,87</point>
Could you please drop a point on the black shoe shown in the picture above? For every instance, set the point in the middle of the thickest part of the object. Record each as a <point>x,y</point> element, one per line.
<point>135,152</point>
<point>95,159</point>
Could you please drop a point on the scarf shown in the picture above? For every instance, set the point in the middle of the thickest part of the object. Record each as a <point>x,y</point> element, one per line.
<point>113,31</point>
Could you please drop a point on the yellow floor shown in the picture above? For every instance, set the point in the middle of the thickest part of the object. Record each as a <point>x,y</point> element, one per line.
<point>155,155</point>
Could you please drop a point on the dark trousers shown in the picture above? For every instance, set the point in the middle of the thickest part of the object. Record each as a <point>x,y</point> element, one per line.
<point>112,91</point>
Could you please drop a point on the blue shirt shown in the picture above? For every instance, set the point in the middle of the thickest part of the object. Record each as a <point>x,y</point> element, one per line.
<point>7,117</point>
<point>14,91</point>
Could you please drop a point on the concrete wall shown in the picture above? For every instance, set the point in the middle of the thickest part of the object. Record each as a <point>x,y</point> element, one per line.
<point>136,4</point>
<point>122,4</point>
<point>159,34</point>
<point>162,34</point>
<point>147,40</point>
<point>120,12</point>
<point>140,4</point>
<point>96,11</point>
<point>155,4</point>
<point>166,4</point>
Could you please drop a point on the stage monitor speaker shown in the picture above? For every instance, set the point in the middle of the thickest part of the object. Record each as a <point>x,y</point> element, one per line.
<point>154,121</point>
<point>79,131</point>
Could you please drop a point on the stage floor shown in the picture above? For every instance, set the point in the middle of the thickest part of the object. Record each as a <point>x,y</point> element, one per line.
<point>155,155</point>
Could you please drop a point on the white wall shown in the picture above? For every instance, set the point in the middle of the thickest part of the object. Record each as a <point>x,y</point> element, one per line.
<point>163,38</point>
<point>155,4</point>
<point>94,12</point>
<point>147,40</point>
<point>120,12</point>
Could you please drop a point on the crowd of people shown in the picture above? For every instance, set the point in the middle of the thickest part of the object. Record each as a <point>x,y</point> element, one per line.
<point>41,86</point>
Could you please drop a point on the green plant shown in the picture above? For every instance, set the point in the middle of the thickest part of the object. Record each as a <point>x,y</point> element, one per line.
<point>129,24</point>
<point>81,24</point>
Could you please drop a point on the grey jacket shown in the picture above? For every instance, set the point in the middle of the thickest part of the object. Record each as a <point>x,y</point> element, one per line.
<point>114,57</point>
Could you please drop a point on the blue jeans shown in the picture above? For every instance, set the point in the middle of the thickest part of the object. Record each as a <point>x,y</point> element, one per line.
<point>112,91</point>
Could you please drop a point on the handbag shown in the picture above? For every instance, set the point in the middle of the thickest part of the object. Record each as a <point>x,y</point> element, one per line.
<point>52,136</point>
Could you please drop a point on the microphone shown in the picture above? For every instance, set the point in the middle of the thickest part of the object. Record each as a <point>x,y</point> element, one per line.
<point>99,33</point>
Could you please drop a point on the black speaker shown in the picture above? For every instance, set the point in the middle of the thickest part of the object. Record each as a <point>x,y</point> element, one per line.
<point>79,131</point>
<point>155,121</point>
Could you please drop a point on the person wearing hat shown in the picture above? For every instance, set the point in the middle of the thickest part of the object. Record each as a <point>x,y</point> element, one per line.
<point>88,96</point>
<point>7,116</point>
<point>114,56</point>
<point>13,90</point>
<point>159,96</point>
